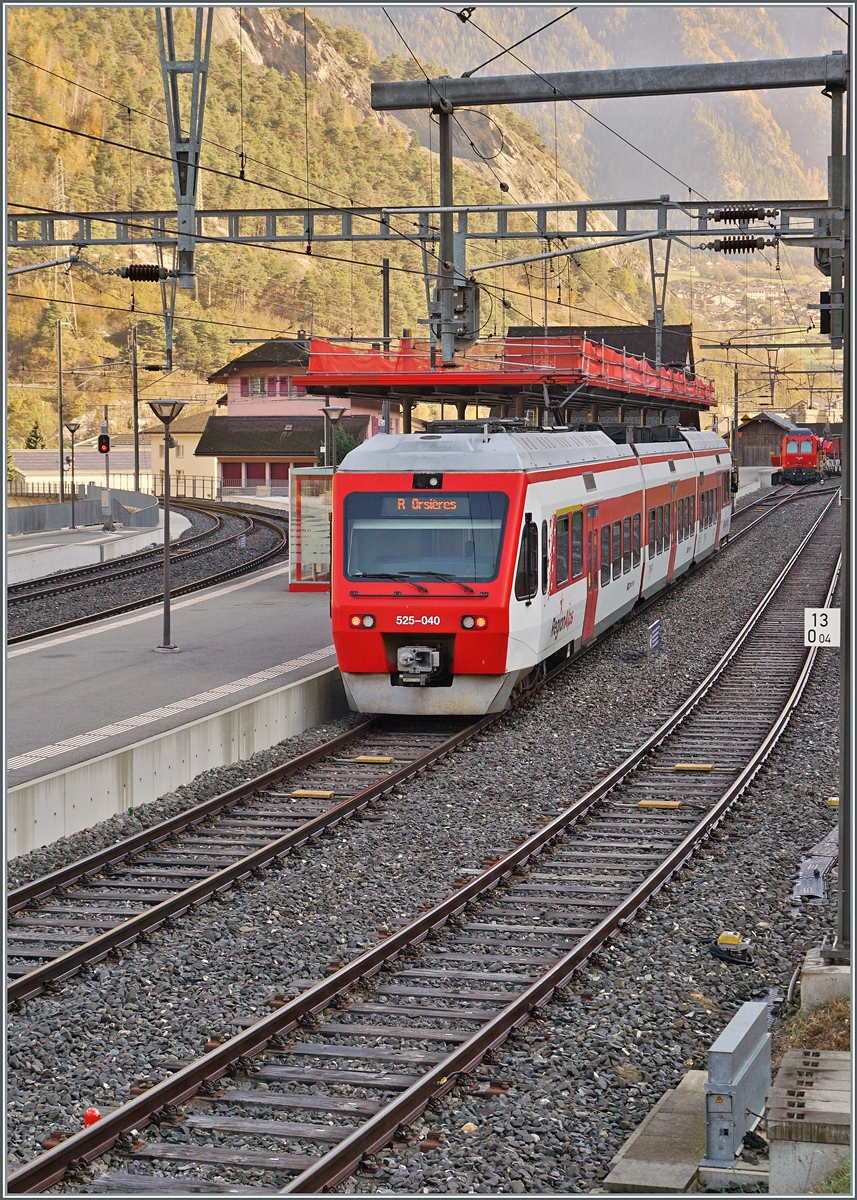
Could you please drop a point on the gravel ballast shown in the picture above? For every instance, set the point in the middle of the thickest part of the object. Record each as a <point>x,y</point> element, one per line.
<point>163,1000</point>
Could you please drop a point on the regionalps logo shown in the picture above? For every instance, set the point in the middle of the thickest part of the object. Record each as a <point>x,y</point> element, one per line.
<point>563,621</point>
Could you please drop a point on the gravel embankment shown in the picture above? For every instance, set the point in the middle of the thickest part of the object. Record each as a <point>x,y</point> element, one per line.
<point>42,613</point>
<point>161,1001</point>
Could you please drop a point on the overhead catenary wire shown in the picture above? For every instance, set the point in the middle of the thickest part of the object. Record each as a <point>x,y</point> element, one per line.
<point>332,208</point>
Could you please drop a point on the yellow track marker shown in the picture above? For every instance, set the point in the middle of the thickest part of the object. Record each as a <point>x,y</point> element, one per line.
<point>694,767</point>
<point>374,758</point>
<point>727,938</point>
<point>659,804</point>
<point>312,794</point>
<point>833,802</point>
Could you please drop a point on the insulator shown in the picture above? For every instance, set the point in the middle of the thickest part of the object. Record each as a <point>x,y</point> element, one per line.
<point>737,214</point>
<point>143,272</point>
<point>738,245</point>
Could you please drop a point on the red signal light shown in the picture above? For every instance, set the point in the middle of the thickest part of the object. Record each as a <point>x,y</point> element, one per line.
<point>469,622</point>
<point>103,443</point>
<point>361,621</point>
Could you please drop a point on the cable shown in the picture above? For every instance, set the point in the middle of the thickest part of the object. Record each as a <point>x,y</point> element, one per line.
<point>586,112</point>
<point>160,120</point>
<point>469,74</point>
<point>238,242</point>
<point>241,86</point>
<point>140,312</point>
<point>306,136</point>
<point>212,170</point>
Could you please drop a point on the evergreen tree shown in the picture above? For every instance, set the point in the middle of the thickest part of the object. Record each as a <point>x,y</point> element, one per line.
<point>11,473</point>
<point>35,439</point>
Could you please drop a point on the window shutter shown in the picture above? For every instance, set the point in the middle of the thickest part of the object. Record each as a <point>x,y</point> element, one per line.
<point>285,383</point>
<point>272,385</point>
<point>245,385</point>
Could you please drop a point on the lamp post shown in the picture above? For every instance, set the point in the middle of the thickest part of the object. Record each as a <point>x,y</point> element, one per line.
<point>332,415</point>
<point>72,427</point>
<point>166,411</point>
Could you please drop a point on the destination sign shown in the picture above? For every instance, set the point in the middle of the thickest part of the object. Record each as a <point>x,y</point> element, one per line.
<point>410,505</point>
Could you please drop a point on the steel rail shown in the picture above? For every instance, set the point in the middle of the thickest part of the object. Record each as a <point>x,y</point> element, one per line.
<point>182,590</point>
<point>70,962</point>
<point>126,566</point>
<point>95,1140</point>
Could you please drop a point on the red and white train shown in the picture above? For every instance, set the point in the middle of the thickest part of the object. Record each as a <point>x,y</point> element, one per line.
<point>463,561</point>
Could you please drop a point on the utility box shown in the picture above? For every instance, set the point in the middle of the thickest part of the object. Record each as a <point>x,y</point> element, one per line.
<point>739,1075</point>
<point>310,508</point>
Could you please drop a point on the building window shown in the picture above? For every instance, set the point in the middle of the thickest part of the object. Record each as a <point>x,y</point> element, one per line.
<point>258,385</point>
<point>285,385</point>
<point>257,474</point>
<point>230,474</point>
<point>245,385</point>
<point>179,451</point>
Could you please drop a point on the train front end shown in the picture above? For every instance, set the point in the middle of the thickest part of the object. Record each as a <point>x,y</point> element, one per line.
<point>801,458</point>
<point>422,565</point>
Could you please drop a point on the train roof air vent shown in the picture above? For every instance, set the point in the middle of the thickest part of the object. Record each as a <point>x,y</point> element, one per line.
<point>589,481</point>
<point>671,464</point>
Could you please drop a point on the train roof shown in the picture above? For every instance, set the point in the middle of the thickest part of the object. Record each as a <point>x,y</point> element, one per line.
<point>502,451</point>
<point>508,450</point>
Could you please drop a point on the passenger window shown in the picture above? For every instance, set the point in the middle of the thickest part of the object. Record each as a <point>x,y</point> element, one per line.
<point>605,554</point>
<point>626,545</point>
<point>791,447</point>
<point>659,528</point>
<point>636,542</point>
<point>592,550</point>
<point>806,446</point>
<point>681,520</point>
<point>527,575</point>
<point>617,549</point>
<point>562,550</point>
<point>576,545</point>
<point>692,515</point>
<point>651,533</point>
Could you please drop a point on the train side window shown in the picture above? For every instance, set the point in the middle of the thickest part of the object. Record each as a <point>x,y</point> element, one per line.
<point>651,533</point>
<point>692,515</point>
<point>562,550</point>
<point>806,446</point>
<point>681,520</point>
<point>576,545</point>
<point>626,545</point>
<point>636,542</point>
<point>592,551</point>
<point>617,549</point>
<point>545,560</point>
<point>791,446</point>
<point>527,574</point>
<point>605,554</point>
<point>659,528</point>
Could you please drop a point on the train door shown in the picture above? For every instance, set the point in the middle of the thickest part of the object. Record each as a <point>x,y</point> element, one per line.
<point>591,572</point>
<point>672,525</point>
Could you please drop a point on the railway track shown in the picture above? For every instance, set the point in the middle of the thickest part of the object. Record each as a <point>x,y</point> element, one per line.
<point>277,527</point>
<point>128,565</point>
<point>69,920</point>
<point>464,975</point>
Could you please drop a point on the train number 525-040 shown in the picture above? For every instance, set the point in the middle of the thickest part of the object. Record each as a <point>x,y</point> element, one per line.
<point>409,620</point>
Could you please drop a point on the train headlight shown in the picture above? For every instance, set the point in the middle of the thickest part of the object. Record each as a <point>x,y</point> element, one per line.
<point>469,622</point>
<point>361,621</point>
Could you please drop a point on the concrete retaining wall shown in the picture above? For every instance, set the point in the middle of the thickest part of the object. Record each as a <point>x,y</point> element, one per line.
<point>78,797</point>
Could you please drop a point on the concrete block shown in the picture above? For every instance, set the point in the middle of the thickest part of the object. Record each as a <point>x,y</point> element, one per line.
<point>820,983</point>
<point>797,1167</point>
<point>663,1152</point>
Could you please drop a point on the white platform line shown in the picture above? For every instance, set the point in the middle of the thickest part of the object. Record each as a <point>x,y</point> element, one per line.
<point>156,610</point>
<point>167,710</point>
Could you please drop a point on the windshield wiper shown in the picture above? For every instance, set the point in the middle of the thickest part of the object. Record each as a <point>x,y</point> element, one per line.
<point>386,575</point>
<point>440,575</point>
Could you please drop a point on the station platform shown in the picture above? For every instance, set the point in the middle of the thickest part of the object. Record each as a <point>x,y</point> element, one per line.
<point>37,555</point>
<point>93,690</point>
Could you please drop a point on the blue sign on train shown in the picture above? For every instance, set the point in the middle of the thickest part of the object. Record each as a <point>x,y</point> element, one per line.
<point>655,637</point>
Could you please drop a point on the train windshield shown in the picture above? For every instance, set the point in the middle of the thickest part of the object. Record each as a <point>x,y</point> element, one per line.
<point>424,535</point>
